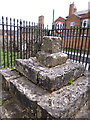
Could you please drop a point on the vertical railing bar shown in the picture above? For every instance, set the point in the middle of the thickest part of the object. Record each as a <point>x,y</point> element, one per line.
<point>36,31</point>
<point>75,42</point>
<point>89,67</point>
<point>20,39</point>
<point>34,40</point>
<point>85,47</point>
<point>81,45</point>
<point>7,42</point>
<point>72,43</point>
<point>14,41</point>
<point>55,29</point>
<point>67,39</point>
<point>62,40</point>
<point>23,39</point>
<point>0,48</point>
<point>29,39</point>
<point>17,40</point>
<point>43,30</point>
<point>11,40</point>
<point>3,40</point>
<point>39,36</point>
<point>80,29</point>
<point>26,39</point>
<point>47,31</point>
<point>64,36</point>
<point>88,52</point>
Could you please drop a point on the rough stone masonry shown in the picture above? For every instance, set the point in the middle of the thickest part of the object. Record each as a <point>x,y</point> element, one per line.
<point>50,68</point>
<point>44,87</point>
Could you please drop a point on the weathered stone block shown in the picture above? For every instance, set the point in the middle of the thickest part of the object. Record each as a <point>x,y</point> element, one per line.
<point>29,68</point>
<point>49,78</point>
<point>51,60</point>
<point>26,92</point>
<point>56,77</point>
<point>7,75</point>
<point>51,44</point>
<point>63,103</point>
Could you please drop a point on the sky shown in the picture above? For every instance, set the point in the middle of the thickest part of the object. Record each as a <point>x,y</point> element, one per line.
<point>30,9</point>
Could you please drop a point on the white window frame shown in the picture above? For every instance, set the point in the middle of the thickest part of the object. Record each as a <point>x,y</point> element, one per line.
<point>87,23</point>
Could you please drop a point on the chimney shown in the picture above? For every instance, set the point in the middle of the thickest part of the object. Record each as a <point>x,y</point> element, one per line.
<point>41,20</point>
<point>71,9</point>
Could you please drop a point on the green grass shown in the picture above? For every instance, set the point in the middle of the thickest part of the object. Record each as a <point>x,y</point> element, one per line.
<point>71,81</point>
<point>9,57</point>
<point>2,102</point>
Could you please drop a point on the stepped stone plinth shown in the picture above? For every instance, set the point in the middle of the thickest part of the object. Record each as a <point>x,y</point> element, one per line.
<point>63,103</point>
<point>42,85</point>
<point>50,69</point>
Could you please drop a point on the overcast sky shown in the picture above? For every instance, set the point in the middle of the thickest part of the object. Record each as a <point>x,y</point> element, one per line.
<point>31,9</point>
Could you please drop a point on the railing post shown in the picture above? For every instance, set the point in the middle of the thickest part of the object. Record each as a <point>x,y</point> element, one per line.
<point>17,40</point>
<point>26,39</point>
<point>20,39</point>
<point>0,53</point>
<point>48,32</point>
<point>3,40</point>
<point>7,42</point>
<point>29,40</point>
<point>14,40</point>
<point>11,40</point>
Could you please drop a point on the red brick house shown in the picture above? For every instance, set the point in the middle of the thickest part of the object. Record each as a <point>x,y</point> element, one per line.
<point>75,18</point>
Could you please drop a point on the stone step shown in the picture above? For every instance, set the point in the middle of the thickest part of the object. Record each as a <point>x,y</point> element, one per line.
<point>63,103</point>
<point>49,78</point>
<point>12,108</point>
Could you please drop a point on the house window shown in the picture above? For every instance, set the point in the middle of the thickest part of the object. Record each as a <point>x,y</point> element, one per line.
<point>85,23</point>
<point>72,24</point>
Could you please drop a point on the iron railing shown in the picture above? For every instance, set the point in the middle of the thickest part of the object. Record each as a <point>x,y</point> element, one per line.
<point>75,43</point>
<point>22,39</point>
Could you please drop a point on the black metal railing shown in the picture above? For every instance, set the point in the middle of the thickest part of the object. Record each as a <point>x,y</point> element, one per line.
<point>75,43</point>
<point>19,39</point>
<point>22,39</point>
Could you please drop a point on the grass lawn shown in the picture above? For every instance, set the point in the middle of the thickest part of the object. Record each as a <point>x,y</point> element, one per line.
<point>9,57</point>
